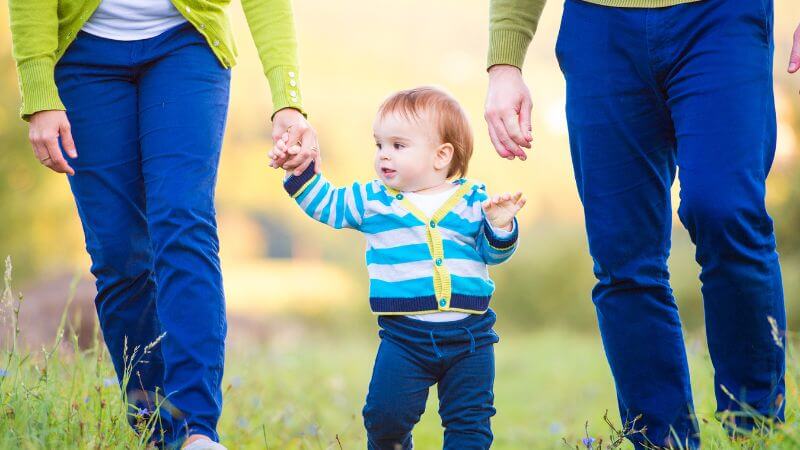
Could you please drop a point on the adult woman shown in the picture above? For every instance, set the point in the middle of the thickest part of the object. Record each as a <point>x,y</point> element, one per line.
<point>141,89</point>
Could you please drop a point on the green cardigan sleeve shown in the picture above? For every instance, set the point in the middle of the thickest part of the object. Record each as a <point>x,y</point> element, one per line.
<point>512,24</point>
<point>34,40</point>
<point>272,25</point>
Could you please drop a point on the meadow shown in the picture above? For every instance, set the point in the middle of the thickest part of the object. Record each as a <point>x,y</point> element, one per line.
<point>305,391</point>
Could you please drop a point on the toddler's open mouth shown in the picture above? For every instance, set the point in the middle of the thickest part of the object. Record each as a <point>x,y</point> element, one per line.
<point>388,172</point>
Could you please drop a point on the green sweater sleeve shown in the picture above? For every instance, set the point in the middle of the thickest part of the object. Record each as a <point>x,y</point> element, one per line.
<point>512,24</point>
<point>34,39</point>
<point>272,26</point>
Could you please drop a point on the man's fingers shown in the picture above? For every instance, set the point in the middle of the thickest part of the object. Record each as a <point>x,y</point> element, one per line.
<point>498,146</point>
<point>794,57</point>
<point>506,140</point>
<point>57,161</point>
<point>512,124</point>
<point>67,142</point>
<point>525,120</point>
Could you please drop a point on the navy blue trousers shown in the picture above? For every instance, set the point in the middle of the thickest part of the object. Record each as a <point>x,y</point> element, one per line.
<point>148,118</point>
<point>652,92</point>
<point>414,355</point>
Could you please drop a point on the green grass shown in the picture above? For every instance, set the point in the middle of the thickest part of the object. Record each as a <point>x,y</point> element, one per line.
<point>305,391</point>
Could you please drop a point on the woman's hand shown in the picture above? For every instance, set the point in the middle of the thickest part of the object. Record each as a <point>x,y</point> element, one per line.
<point>45,129</point>
<point>501,209</point>
<point>289,126</point>
<point>508,112</point>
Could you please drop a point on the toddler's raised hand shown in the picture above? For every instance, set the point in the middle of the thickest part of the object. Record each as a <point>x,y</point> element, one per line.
<point>501,209</point>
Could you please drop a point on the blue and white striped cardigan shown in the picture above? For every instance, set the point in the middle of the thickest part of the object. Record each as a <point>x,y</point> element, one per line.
<point>416,264</point>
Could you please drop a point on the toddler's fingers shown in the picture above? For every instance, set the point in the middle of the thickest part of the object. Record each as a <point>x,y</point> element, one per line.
<point>517,196</point>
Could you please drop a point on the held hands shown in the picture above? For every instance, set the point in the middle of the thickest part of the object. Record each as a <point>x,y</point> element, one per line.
<point>295,142</point>
<point>44,130</point>
<point>501,209</point>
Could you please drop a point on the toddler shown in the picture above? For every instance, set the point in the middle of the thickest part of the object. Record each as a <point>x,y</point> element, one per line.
<point>430,236</point>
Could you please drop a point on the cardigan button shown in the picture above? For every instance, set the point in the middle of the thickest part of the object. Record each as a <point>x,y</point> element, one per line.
<point>292,83</point>
<point>399,196</point>
<point>442,302</point>
<point>202,26</point>
<point>291,74</point>
<point>432,224</point>
<point>438,261</point>
<point>216,43</point>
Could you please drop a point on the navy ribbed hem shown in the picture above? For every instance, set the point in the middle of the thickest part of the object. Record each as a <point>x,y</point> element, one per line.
<point>470,302</point>
<point>498,242</point>
<point>388,305</point>
<point>294,183</point>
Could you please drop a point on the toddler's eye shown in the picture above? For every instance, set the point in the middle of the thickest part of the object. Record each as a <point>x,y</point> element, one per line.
<point>398,146</point>
<point>378,145</point>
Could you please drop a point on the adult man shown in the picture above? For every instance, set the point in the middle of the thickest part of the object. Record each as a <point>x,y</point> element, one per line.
<point>652,86</point>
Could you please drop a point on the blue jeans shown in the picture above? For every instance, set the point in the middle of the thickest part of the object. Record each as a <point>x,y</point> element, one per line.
<point>148,118</point>
<point>414,355</point>
<point>650,91</point>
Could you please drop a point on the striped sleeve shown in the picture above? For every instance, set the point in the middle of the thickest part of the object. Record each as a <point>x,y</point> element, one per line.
<point>337,207</point>
<point>497,246</point>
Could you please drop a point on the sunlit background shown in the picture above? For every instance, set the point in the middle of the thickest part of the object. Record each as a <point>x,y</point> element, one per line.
<point>286,276</point>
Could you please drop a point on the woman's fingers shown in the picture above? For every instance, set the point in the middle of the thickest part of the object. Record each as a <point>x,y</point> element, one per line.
<point>65,131</point>
<point>58,163</point>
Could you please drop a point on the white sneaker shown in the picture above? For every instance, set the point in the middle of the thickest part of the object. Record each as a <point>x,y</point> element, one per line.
<point>204,444</point>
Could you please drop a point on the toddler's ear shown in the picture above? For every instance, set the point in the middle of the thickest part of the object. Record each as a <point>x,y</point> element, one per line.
<point>444,155</point>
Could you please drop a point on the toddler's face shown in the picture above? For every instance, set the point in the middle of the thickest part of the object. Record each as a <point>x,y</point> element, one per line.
<point>405,150</point>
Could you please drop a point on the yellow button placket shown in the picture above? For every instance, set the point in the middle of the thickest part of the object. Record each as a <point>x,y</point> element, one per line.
<point>441,276</point>
<point>442,284</point>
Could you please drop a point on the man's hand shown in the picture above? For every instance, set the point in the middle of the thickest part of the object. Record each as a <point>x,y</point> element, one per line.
<point>508,112</point>
<point>501,209</point>
<point>44,130</point>
<point>290,126</point>
<point>794,58</point>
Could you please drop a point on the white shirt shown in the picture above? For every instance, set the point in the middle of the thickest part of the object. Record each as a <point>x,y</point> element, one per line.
<point>429,204</point>
<point>130,20</point>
